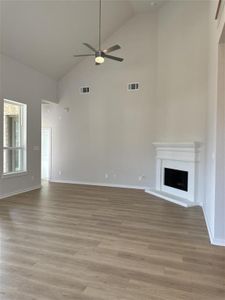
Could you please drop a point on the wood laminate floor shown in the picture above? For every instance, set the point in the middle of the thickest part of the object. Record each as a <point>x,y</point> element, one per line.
<point>95,243</point>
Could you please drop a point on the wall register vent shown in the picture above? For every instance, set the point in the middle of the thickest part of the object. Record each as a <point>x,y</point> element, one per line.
<point>133,86</point>
<point>84,90</point>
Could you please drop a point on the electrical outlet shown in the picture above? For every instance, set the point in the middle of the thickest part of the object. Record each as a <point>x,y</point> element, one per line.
<point>60,173</point>
<point>142,177</point>
<point>106,175</point>
<point>32,177</point>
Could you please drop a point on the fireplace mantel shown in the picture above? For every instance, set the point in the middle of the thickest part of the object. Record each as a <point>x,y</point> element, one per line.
<point>178,156</point>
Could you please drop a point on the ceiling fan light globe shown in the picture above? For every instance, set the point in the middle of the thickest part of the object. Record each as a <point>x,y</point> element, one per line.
<point>99,59</point>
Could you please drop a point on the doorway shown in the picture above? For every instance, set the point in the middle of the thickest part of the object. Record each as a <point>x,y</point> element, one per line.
<point>46,153</point>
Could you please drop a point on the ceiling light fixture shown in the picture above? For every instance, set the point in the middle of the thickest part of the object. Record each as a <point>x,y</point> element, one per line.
<point>99,60</point>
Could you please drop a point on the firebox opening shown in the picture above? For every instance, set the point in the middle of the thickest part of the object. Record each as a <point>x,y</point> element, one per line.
<point>176,179</point>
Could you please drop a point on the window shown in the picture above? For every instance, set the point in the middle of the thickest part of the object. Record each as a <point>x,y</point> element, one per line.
<point>14,138</point>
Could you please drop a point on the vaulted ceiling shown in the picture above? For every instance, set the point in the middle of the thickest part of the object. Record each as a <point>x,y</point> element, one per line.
<point>45,34</point>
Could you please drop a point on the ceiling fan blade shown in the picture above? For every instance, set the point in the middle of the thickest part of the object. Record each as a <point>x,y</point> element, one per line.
<point>113,57</point>
<point>90,47</point>
<point>111,49</point>
<point>80,55</point>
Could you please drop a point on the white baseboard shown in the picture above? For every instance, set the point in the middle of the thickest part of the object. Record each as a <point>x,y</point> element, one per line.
<point>98,184</point>
<point>218,242</point>
<point>36,187</point>
<point>213,241</point>
<point>207,225</point>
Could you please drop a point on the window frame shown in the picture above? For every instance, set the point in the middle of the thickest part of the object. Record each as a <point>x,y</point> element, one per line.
<point>23,139</point>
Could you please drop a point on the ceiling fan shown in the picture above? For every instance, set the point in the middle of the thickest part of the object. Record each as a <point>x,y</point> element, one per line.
<point>100,54</point>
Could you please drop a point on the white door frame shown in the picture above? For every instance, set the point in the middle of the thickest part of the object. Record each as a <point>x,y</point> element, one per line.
<point>49,154</point>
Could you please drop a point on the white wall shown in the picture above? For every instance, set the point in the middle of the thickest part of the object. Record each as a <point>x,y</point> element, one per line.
<point>110,130</point>
<point>182,70</point>
<point>189,106</point>
<point>183,76</point>
<point>23,84</point>
<point>219,228</point>
<point>214,202</point>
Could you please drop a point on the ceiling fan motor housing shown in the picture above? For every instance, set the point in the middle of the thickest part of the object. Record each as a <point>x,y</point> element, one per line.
<point>99,53</point>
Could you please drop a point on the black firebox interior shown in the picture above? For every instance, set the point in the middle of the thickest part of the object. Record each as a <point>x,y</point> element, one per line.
<point>176,179</point>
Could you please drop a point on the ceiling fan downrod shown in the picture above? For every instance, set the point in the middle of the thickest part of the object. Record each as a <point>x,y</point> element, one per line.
<point>100,54</point>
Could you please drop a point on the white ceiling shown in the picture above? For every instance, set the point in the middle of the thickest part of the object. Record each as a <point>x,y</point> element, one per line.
<point>45,34</point>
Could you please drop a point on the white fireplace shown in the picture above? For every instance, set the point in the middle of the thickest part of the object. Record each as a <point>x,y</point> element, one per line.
<point>177,172</point>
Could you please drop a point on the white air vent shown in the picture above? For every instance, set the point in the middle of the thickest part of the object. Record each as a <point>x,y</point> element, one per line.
<point>84,90</point>
<point>134,86</point>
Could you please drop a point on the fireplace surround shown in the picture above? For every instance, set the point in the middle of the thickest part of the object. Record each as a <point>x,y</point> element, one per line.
<point>177,168</point>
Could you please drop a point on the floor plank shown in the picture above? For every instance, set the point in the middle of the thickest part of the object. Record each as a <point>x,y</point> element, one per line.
<point>93,243</point>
